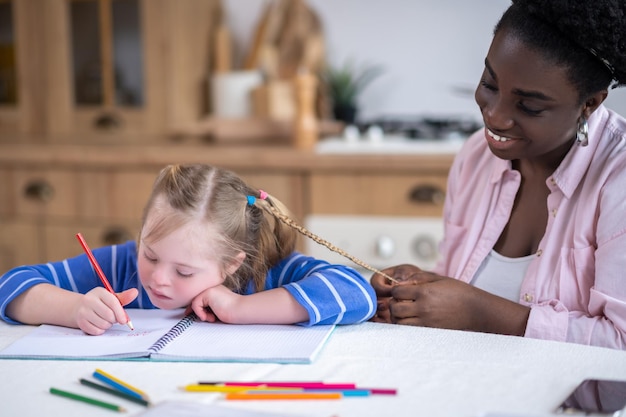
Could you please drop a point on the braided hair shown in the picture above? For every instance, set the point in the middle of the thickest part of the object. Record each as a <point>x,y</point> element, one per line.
<point>588,38</point>
<point>241,219</point>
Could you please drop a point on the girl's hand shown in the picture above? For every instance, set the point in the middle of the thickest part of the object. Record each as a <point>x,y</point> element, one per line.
<point>98,310</point>
<point>383,288</point>
<point>215,303</point>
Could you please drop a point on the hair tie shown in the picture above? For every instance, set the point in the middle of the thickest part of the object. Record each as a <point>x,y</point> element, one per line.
<point>252,199</point>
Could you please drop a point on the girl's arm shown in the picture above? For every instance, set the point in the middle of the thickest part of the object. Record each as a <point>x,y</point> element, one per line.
<point>45,303</point>
<point>93,312</point>
<point>299,290</point>
<point>331,294</point>
<point>274,306</point>
<point>55,293</point>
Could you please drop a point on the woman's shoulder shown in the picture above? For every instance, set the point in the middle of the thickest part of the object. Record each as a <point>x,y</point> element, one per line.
<point>615,127</point>
<point>608,128</point>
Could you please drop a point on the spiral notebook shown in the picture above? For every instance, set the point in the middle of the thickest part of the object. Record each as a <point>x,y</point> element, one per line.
<point>170,336</point>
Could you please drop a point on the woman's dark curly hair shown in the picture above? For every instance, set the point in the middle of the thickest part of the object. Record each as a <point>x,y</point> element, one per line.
<point>587,37</point>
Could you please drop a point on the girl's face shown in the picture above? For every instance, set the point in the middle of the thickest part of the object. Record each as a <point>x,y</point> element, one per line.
<point>178,267</point>
<point>529,106</point>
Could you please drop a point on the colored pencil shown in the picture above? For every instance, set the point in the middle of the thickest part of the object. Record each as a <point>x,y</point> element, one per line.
<point>268,395</point>
<point>227,389</point>
<point>289,384</point>
<point>100,273</point>
<point>113,391</point>
<point>119,384</point>
<point>306,386</point>
<point>382,391</point>
<point>87,400</point>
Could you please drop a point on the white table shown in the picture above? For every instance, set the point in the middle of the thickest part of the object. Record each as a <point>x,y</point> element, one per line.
<point>437,373</point>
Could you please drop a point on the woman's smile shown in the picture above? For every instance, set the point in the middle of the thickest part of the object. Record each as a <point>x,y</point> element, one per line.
<point>497,142</point>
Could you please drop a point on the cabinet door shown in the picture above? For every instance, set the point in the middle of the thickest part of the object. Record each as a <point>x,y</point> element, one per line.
<point>378,195</point>
<point>21,90</point>
<point>61,202</point>
<point>98,56</point>
<point>19,244</point>
<point>59,239</point>
<point>126,70</point>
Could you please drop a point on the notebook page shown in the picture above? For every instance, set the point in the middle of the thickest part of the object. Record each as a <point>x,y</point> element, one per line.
<point>55,342</point>
<point>246,343</point>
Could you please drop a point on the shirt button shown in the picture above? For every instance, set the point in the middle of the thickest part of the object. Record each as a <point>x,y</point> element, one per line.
<point>553,212</point>
<point>552,181</point>
<point>539,252</point>
<point>528,297</point>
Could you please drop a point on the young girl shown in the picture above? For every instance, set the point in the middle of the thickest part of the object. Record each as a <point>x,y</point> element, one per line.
<point>208,243</point>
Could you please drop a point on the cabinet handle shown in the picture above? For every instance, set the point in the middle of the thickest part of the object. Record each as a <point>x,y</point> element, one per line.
<point>116,235</point>
<point>107,121</point>
<point>39,190</point>
<point>426,193</point>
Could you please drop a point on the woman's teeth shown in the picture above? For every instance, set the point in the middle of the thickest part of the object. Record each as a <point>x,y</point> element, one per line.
<point>497,137</point>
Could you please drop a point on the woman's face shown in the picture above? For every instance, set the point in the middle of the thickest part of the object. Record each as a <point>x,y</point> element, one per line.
<point>529,107</point>
<point>179,266</point>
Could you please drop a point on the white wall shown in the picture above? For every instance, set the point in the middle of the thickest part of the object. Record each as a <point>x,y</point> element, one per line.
<point>432,51</point>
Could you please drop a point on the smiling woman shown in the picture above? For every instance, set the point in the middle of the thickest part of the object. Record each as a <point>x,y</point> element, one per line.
<point>534,215</point>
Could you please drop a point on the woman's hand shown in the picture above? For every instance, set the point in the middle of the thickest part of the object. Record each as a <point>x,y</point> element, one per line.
<point>426,299</point>
<point>383,288</point>
<point>96,311</point>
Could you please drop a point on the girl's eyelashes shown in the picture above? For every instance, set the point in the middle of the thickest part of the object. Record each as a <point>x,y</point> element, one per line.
<point>149,258</point>
<point>183,275</point>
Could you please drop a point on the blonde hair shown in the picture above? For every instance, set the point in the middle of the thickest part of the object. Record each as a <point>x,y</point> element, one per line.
<point>262,228</point>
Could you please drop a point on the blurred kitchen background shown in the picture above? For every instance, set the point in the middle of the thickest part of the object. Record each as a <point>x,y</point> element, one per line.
<point>431,51</point>
<point>96,96</point>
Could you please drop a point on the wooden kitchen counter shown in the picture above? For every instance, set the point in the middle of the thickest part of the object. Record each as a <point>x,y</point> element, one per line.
<point>268,157</point>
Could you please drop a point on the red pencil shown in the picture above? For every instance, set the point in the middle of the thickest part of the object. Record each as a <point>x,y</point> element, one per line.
<point>99,272</point>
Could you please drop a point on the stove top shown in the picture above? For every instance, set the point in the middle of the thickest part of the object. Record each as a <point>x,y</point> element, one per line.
<point>401,135</point>
<point>423,127</point>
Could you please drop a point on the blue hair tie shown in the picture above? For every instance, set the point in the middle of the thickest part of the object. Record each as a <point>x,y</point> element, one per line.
<point>251,200</point>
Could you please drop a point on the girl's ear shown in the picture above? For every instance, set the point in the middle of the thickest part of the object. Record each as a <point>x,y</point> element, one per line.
<point>235,263</point>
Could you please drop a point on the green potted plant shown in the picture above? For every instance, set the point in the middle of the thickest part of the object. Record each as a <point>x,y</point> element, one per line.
<point>345,84</point>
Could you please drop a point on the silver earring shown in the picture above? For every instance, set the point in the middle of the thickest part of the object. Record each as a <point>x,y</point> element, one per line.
<point>582,132</point>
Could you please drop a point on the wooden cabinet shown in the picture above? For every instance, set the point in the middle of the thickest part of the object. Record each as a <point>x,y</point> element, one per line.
<point>21,65</point>
<point>103,71</point>
<point>49,193</point>
<point>20,243</point>
<point>43,209</point>
<point>378,194</point>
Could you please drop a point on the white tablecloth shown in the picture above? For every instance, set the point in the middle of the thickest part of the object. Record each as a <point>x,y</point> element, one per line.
<point>437,373</point>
